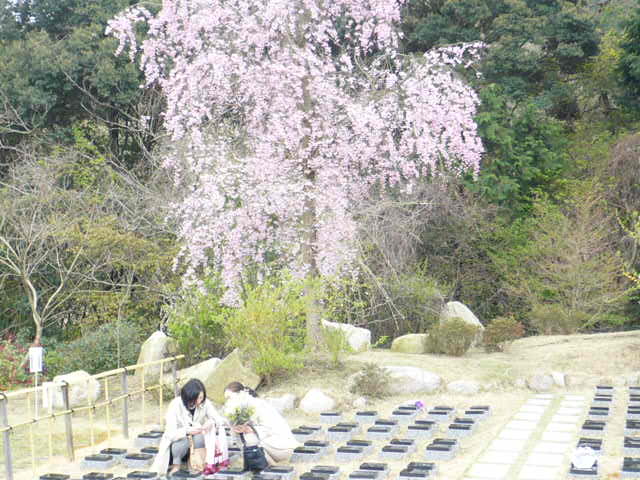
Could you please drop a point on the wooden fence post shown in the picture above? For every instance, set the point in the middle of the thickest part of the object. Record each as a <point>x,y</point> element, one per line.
<point>68,427</point>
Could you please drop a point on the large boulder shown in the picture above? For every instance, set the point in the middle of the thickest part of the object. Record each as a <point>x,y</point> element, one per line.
<point>83,389</point>
<point>359,339</point>
<point>410,343</point>
<point>460,310</point>
<point>156,347</point>
<point>230,369</point>
<point>407,380</point>
<point>203,371</point>
<point>316,401</point>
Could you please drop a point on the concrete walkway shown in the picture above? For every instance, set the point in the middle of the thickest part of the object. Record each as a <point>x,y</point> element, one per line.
<point>537,443</point>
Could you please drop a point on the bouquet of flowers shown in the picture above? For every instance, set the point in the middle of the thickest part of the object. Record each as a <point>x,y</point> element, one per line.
<point>238,411</point>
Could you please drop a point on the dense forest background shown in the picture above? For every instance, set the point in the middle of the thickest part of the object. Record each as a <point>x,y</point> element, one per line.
<point>546,233</point>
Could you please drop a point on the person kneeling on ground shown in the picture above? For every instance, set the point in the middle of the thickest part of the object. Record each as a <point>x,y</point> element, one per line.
<point>273,432</point>
<point>191,414</point>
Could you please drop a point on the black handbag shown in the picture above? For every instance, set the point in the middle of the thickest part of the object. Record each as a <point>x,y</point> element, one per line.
<point>254,458</point>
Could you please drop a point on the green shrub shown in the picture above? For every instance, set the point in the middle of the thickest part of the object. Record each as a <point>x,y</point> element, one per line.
<point>11,356</point>
<point>453,337</point>
<point>371,381</point>
<point>97,350</point>
<point>270,327</point>
<point>197,323</point>
<point>499,334</point>
<point>555,319</point>
<point>336,343</point>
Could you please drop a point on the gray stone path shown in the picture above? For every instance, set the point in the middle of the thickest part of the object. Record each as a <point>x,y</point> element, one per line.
<point>536,443</point>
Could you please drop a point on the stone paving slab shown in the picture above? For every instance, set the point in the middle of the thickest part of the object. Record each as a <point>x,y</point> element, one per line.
<point>550,447</point>
<point>543,395</point>
<point>539,402</point>
<point>569,411</point>
<point>504,445</point>
<point>497,456</point>
<point>490,470</point>
<point>521,425</point>
<point>512,434</point>
<point>535,417</point>
<point>562,437</point>
<point>574,397</point>
<point>532,408</point>
<point>545,459</point>
<point>562,427</point>
<point>530,472</point>
<point>565,419</point>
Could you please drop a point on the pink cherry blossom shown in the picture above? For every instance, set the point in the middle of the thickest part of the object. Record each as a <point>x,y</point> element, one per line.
<point>285,114</point>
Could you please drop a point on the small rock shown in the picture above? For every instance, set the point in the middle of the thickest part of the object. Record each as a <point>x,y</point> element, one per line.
<point>540,382</point>
<point>464,387</point>
<point>359,402</point>
<point>316,401</point>
<point>407,380</point>
<point>558,379</point>
<point>282,403</point>
<point>410,343</point>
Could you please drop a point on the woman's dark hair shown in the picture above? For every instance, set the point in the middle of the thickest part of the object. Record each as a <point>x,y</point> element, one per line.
<point>190,392</point>
<point>236,387</point>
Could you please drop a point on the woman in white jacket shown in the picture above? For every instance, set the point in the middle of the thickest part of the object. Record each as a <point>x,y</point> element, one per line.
<point>192,414</point>
<point>273,431</point>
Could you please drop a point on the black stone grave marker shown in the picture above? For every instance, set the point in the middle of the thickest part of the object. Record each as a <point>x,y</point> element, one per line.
<point>429,466</point>
<point>383,422</point>
<point>330,417</point>
<point>631,445</point>
<point>631,465</point>
<point>594,443</point>
<point>317,444</point>
<point>591,472</point>
<point>97,476</point>
<point>149,450</point>
<point>632,427</point>
<point>404,442</point>
<point>184,474</point>
<point>330,470</point>
<point>363,475</point>
<point>55,476</point>
<point>99,457</point>
<point>306,450</point>
<point>414,474</point>
<point>408,408</point>
<point>113,451</point>
<point>314,476</point>
<point>374,466</point>
<point>139,474</point>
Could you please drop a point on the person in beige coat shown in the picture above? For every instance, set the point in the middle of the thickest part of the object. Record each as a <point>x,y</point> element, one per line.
<point>192,414</point>
<point>272,429</point>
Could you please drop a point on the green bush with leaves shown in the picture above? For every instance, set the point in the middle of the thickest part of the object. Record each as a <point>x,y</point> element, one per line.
<point>197,322</point>
<point>501,332</point>
<point>336,343</point>
<point>371,381</point>
<point>11,356</point>
<point>453,337</point>
<point>270,328</point>
<point>109,346</point>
